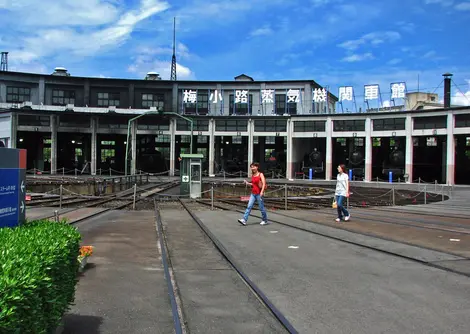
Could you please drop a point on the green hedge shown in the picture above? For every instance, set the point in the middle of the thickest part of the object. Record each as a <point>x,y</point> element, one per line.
<point>38,275</point>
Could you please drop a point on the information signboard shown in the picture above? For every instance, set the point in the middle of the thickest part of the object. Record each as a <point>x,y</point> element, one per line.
<point>12,187</point>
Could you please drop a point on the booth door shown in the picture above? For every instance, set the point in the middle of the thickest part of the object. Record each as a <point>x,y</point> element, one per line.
<point>196,180</point>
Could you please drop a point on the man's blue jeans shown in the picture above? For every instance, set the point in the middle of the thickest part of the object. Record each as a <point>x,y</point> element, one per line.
<point>251,202</point>
<point>340,206</point>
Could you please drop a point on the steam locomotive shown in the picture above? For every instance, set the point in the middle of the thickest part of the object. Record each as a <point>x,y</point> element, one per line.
<point>313,160</point>
<point>395,164</point>
<point>356,162</point>
<point>275,163</point>
<point>152,162</point>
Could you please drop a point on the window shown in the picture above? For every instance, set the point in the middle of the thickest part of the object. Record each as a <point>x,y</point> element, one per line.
<point>309,126</point>
<point>388,124</point>
<point>33,120</point>
<point>342,141</point>
<point>108,99</point>
<point>343,125</point>
<point>271,126</point>
<point>237,140</point>
<point>163,139</point>
<point>280,103</point>
<point>431,141</point>
<point>107,155</point>
<point>270,140</point>
<point>185,139</point>
<point>436,122</point>
<point>198,125</point>
<point>240,108</point>
<point>199,108</point>
<point>153,123</point>
<point>63,97</point>
<point>462,121</point>
<point>18,94</point>
<point>202,139</point>
<point>153,100</point>
<point>231,125</point>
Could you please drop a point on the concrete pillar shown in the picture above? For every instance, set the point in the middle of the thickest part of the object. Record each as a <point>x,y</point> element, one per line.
<point>329,149</point>
<point>290,150</point>
<point>86,93</point>
<point>174,103</point>
<point>221,104</point>
<point>14,130</point>
<point>42,90</point>
<point>409,148</point>
<point>131,96</point>
<point>54,137</point>
<point>250,143</point>
<point>450,159</point>
<point>172,146</point>
<point>134,148</point>
<point>211,146</point>
<point>94,144</point>
<point>368,151</point>
<point>307,100</point>
<point>3,92</point>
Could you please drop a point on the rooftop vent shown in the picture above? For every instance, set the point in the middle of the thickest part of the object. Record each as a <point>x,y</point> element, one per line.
<point>61,71</point>
<point>153,76</point>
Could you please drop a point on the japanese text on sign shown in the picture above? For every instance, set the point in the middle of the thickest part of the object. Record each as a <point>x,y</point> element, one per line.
<point>371,92</point>
<point>398,90</point>
<point>319,95</point>
<point>7,188</point>
<point>345,93</point>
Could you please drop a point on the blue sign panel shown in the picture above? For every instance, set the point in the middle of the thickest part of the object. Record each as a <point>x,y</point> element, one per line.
<point>10,204</point>
<point>12,187</point>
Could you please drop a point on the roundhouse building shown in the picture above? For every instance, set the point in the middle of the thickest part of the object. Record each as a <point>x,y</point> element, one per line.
<point>81,124</point>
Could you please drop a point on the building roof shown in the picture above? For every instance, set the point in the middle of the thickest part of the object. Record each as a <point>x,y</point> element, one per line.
<point>244,79</point>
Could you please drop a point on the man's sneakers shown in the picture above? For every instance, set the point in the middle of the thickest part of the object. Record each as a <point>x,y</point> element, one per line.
<point>345,219</point>
<point>242,221</point>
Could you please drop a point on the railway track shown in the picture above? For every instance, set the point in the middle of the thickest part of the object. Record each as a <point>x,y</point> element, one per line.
<point>395,254</point>
<point>116,202</point>
<point>178,316</point>
<point>417,222</point>
<point>74,199</point>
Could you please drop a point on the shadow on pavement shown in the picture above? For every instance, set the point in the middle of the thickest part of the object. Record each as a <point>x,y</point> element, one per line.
<point>81,324</point>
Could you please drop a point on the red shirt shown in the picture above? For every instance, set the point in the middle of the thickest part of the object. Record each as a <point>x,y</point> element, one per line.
<point>256,184</point>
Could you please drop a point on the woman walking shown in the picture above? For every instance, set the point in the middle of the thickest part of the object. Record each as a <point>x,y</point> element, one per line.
<point>341,192</point>
<point>258,185</point>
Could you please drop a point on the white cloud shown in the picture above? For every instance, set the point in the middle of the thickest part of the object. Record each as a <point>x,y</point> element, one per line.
<point>263,31</point>
<point>444,3</point>
<point>65,12</point>
<point>319,3</point>
<point>459,97</point>
<point>358,57</point>
<point>394,61</point>
<point>463,6</point>
<point>147,60</point>
<point>373,38</point>
<point>68,33</point>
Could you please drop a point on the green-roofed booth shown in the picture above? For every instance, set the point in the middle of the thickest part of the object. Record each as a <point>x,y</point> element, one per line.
<point>191,175</point>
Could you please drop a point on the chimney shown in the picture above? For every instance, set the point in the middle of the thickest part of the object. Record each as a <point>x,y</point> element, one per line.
<point>447,80</point>
<point>153,76</point>
<point>61,71</point>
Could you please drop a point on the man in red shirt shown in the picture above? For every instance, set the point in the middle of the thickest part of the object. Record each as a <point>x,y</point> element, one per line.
<point>258,184</point>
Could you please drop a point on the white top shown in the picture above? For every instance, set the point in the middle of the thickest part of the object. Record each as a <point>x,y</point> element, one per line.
<point>341,184</point>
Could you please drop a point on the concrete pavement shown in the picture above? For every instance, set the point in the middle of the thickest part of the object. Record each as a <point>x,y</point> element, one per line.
<point>327,286</point>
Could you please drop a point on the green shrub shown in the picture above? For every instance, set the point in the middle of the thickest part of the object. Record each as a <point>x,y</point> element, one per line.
<point>38,275</point>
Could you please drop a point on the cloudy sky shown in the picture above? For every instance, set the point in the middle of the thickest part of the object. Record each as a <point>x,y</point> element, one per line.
<point>334,42</point>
